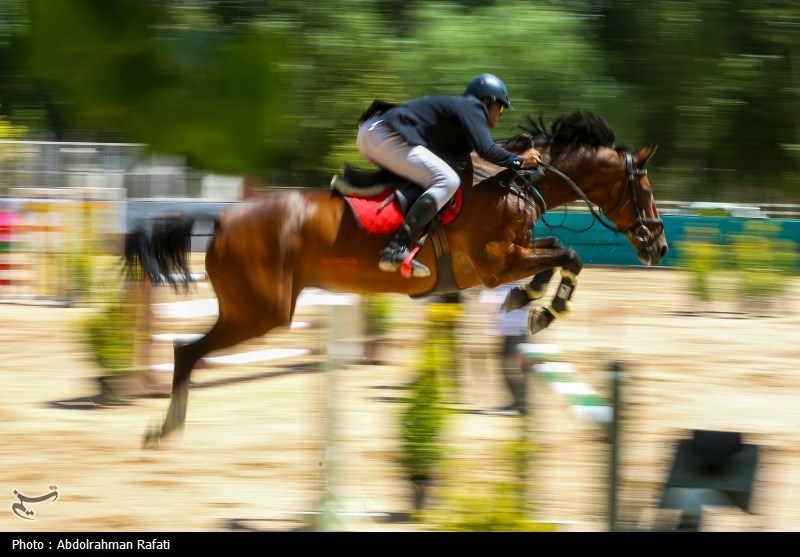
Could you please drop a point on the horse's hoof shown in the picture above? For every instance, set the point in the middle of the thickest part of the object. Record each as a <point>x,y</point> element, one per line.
<point>540,318</point>
<point>515,299</point>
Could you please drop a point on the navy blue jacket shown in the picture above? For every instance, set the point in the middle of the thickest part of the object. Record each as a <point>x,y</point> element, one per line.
<point>451,127</point>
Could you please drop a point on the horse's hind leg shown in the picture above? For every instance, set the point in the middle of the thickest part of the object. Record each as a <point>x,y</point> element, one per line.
<point>248,321</point>
<point>520,296</point>
<point>185,358</point>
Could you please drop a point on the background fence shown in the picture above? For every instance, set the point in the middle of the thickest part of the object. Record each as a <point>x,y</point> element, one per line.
<point>599,246</point>
<point>61,204</point>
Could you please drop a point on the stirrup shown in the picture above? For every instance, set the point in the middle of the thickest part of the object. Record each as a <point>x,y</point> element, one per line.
<point>403,259</point>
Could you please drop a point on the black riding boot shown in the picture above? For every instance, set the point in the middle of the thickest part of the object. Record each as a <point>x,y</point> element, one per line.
<point>419,215</point>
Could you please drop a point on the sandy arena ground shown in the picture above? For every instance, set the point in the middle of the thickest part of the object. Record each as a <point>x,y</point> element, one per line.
<point>251,456</point>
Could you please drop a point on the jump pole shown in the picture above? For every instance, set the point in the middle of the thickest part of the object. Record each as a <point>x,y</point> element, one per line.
<point>545,361</point>
<point>343,348</point>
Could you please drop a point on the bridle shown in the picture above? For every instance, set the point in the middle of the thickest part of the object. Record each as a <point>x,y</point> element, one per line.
<point>639,228</point>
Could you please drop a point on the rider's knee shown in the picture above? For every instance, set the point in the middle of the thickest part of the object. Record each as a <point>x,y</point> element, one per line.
<point>446,181</point>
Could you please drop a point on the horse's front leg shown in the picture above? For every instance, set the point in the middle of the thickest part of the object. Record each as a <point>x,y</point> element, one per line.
<point>523,262</point>
<point>520,296</point>
<point>560,306</point>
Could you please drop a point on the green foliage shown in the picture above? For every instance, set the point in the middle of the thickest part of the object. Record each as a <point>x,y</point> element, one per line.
<point>713,212</point>
<point>92,275</point>
<point>443,318</point>
<point>110,335</point>
<point>167,77</point>
<point>378,314</point>
<point>423,422</point>
<point>478,504</point>
<point>710,78</point>
<point>764,262</point>
<point>756,260</point>
<point>8,131</point>
<point>700,255</point>
<point>491,507</point>
<point>424,419</point>
<point>82,271</point>
<point>89,274</point>
<point>255,87</point>
<point>447,49</point>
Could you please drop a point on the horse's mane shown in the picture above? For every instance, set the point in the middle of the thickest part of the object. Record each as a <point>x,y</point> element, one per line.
<point>566,134</point>
<point>571,131</point>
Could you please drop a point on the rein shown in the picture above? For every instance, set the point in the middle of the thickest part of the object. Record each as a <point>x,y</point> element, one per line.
<point>529,178</point>
<point>583,197</point>
<point>639,229</point>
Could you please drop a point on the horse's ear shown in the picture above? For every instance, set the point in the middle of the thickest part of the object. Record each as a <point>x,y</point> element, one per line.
<point>645,154</point>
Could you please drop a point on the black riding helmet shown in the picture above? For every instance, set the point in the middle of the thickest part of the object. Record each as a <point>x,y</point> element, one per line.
<point>491,87</point>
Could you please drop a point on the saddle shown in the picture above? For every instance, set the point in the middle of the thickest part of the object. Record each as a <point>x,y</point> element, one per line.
<point>380,199</point>
<point>365,184</point>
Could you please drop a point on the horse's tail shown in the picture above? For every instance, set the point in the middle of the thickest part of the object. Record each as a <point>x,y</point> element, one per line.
<point>159,251</point>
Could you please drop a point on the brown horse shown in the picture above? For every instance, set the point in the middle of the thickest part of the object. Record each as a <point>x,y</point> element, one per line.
<point>262,255</point>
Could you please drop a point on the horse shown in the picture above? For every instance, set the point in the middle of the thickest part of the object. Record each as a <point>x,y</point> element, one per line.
<point>263,254</point>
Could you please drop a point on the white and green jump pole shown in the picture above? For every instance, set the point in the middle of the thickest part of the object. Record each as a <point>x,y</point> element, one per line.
<point>544,361</point>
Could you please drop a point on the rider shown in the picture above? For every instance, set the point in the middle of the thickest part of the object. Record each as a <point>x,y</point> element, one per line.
<point>415,139</point>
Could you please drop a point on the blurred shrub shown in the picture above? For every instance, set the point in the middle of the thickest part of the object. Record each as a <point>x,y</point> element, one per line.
<point>764,262</point>
<point>757,259</point>
<point>491,508</point>
<point>8,153</point>
<point>482,505</point>
<point>377,314</point>
<point>110,336</point>
<point>81,265</point>
<point>443,321</point>
<point>423,421</point>
<point>713,212</point>
<point>97,279</point>
<point>701,255</point>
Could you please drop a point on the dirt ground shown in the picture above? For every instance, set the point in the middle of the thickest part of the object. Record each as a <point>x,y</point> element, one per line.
<point>252,455</point>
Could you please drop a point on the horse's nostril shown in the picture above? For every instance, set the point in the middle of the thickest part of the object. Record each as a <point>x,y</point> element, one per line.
<point>664,251</point>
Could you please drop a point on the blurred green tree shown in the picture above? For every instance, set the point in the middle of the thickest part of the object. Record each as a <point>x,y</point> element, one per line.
<point>716,85</point>
<point>273,87</point>
<point>166,74</point>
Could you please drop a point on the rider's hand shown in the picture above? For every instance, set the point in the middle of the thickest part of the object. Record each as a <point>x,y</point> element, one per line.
<point>532,158</point>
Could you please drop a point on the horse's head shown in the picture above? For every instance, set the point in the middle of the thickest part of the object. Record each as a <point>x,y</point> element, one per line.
<point>628,202</point>
<point>579,154</point>
<point>580,147</point>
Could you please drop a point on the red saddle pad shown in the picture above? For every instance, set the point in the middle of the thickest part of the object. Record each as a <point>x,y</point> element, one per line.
<point>375,218</point>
